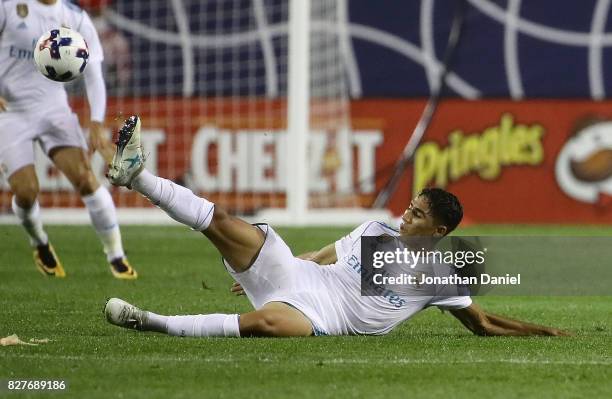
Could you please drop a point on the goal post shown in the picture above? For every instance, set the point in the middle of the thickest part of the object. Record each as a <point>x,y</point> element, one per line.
<point>315,29</point>
<point>298,109</point>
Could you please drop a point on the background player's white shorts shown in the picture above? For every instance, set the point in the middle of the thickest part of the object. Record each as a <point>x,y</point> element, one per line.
<point>278,276</point>
<point>51,127</point>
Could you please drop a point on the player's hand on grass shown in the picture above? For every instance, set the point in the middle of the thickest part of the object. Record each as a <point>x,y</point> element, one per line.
<point>555,332</point>
<point>236,289</point>
<point>99,141</point>
<point>3,104</point>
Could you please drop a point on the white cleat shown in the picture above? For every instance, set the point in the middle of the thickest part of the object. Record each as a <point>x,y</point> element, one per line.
<point>128,161</point>
<point>123,314</point>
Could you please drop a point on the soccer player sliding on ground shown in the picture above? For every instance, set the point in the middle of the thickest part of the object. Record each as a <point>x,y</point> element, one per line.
<point>294,296</point>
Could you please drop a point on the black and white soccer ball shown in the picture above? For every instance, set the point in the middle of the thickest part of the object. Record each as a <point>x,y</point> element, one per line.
<point>61,54</point>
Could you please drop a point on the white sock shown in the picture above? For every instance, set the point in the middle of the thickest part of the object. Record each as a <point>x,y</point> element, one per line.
<point>156,322</point>
<point>104,220</point>
<point>180,203</point>
<point>204,325</point>
<point>31,222</point>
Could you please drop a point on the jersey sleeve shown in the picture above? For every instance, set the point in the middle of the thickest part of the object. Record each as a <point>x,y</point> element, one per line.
<point>346,243</point>
<point>452,302</point>
<point>88,31</point>
<point>96,91</point>
<point>450,296</point>
<point>94,80</point>
<point>2,17</point>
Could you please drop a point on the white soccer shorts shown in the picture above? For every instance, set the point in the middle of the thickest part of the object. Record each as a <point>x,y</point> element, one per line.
<point>278,276</point>
<point>19,130</point>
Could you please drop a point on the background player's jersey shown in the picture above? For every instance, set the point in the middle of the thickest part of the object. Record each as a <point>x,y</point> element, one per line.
<point>22,22</point>
<point>358,314</point>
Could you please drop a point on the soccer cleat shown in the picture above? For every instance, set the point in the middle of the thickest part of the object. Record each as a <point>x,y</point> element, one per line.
<point>121,269</point>
<point>128,161</point>
<point>123,314</point>
<point>47,261</point>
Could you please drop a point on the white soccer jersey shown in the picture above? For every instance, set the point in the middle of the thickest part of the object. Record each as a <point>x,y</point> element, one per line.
<point>372,315</point>
<point>22,22</point>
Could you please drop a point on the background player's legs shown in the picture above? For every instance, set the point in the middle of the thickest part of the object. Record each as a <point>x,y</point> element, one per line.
<point>73,162</point>
<point>238,241</point>
<point>24,185</point>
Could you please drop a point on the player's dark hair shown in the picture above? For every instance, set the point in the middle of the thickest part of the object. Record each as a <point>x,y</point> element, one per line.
<point>444,206</point>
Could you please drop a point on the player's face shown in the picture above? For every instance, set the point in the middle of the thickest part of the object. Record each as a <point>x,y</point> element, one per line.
<point>418,221</point>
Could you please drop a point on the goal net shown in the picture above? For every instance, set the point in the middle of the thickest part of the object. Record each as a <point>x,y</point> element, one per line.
<point>218,86</point>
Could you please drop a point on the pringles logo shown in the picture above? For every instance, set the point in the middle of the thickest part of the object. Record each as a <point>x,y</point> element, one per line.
<point>584,165</point>
<point>484,153</point>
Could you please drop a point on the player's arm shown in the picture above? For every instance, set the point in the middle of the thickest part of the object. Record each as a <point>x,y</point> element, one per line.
<point>329,254</point>
<point>324,256</point>
<point>96,97</point>
<point>96,91</point>
<point>487,324</point>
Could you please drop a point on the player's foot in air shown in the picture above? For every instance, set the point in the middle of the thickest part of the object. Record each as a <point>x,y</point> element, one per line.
<point>47,261</point>
<point>121,269</point>
<point>128,161</point>
<point>123,314</point>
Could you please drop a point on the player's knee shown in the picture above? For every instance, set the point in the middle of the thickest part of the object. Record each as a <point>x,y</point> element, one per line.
<point>85,183</point>
<point>220,215</point>
<point>268,324</point>
<point>221,220</point>
<point>263,323</point>
<point>25,193</point>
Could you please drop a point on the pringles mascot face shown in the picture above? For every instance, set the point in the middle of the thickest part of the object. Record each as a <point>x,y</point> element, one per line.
<point>584,165</point>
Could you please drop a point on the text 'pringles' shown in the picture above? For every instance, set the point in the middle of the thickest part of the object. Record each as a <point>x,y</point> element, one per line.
<point>484,153</point>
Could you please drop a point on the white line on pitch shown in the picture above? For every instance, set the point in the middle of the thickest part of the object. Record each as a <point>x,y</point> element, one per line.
<point>606,362</point>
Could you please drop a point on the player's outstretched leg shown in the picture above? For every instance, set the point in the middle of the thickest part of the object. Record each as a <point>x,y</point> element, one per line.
<point>73,162</point>
<point>237,241</point>
<point>273,320</point>
<point>24,186</point>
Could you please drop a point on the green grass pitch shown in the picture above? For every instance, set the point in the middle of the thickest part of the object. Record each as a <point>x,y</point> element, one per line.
<point>432,355</point>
